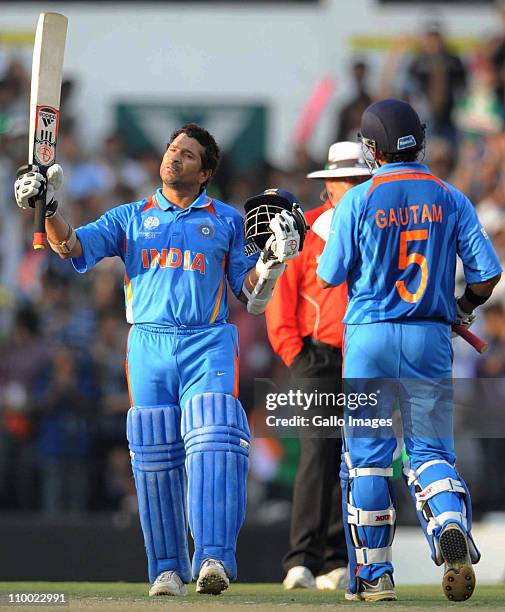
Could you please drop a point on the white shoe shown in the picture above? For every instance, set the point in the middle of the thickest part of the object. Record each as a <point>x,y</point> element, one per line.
<point>212,579</point>
<point>381,589</point>
<point>299,577</point>
<point>168,583</point>
<point>336,579</point>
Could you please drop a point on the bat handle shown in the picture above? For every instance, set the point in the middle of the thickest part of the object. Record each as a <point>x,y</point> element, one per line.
<point>478,344</point>
<point>39,223</point>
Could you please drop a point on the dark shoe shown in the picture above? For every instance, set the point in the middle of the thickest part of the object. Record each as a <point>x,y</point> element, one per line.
<point>459,578</point>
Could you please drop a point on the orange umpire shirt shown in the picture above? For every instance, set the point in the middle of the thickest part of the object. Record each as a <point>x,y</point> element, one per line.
<point>299,307</point>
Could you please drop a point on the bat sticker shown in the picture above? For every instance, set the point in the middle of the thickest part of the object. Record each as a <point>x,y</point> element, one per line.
<point>46,132</point>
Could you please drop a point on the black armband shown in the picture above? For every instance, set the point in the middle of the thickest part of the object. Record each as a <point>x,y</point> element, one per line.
<point>474,299</point>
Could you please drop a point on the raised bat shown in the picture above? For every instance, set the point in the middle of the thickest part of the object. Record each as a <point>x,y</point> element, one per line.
<point>47,70</point>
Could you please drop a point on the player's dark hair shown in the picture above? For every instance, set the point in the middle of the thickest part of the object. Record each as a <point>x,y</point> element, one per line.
<point>211,153</point>
<point>404,156</point>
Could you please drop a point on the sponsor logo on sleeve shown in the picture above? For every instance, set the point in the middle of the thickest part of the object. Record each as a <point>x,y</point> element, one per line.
<point>250,248</point>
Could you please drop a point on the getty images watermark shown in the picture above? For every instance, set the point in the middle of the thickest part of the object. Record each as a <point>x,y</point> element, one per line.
<point>310,409</point>
<point>426,408</point>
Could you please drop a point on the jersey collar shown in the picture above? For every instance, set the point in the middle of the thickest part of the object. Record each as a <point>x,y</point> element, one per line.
<point>402,166</point>
<point>201,201</point>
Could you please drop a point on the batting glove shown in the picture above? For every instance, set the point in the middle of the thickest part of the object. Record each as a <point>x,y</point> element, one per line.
<point>463,318</point>
<point>30,185</point>
<point>267,266</point>
<point>285,242</point>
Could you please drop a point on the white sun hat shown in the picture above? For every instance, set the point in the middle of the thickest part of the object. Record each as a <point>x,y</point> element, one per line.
<point>345,159</point>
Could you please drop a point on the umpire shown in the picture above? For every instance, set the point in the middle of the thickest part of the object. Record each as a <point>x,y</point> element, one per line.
<point>305,329</point>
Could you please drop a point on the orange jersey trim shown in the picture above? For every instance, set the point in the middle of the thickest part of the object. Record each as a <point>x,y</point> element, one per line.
<point>127,371</point>
<point>148,205</point>
<point>403,176</point>
<point>211,208</point>
<point>217,303</point>
<point>129,299</point>
<point>236,365</point>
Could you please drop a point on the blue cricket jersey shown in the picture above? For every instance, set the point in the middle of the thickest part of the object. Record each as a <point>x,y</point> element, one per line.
<point>177,261</point>
<point>395,239</point>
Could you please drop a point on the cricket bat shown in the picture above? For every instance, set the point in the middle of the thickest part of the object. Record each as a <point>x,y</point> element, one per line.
<point>478,344</point>
<point>47,70</point>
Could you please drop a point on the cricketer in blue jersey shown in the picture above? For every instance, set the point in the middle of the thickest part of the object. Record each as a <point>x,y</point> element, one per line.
<point>187,431</point>
<point>395,240</point>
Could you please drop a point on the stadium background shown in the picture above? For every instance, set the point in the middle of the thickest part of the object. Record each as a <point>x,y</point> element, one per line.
<point>246,71</point>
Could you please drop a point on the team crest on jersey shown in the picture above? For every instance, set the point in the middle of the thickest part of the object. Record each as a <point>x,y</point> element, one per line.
<point>206,230</point>
<point>151,222</point>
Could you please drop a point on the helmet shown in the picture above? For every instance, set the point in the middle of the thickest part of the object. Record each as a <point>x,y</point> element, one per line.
<point>391,126</point>
<point>262,208</point>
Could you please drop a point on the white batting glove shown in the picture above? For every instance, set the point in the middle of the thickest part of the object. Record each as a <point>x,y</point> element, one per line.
<point>269,269</point>
<point>30,184</point>
<point>285,242</point>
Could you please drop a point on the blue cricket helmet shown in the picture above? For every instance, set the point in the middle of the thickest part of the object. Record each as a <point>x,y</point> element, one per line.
<point>262,208</point>
<point>392,126</point>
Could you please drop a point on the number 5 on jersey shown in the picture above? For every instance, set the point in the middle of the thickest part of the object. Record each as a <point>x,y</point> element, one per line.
<point>406,260</point>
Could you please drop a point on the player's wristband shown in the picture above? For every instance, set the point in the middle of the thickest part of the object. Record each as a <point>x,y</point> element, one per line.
<point>474,299</point>
<point>51,208</point>
<point>65,246</point>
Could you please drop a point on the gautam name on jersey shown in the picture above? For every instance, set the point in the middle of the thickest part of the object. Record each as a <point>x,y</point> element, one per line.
<point>405,215</point>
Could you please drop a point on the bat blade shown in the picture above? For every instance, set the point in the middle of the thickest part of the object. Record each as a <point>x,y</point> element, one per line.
<point>47,72</point>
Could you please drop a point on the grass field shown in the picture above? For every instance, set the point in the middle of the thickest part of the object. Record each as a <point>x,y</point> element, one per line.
<point>252,597</point>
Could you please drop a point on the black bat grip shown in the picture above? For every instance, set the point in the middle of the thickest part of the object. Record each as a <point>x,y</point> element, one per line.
<point>39,223</point>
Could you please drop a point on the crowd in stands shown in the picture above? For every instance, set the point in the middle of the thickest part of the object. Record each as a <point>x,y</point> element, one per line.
<point>63,393</point>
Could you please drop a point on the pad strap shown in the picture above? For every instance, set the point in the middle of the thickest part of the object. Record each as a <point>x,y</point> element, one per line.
<point>413,475</point>
<point>372,471</point>
<point>372,518</point>
<point>367,556</point>
<point>440,519</point>
<point>439,486</point>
